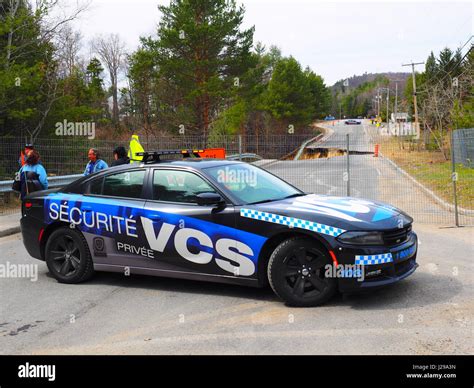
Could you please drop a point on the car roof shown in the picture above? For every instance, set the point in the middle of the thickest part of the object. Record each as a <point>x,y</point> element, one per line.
<point>196,163</point>
<point>193,163</point>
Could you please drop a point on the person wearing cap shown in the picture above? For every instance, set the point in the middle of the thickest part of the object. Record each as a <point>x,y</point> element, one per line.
<point>120,157</point>
<point>95,163</point>
<point>23,154</point>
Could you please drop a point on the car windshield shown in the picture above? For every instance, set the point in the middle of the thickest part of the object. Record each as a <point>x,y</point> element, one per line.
<point>250,184</point>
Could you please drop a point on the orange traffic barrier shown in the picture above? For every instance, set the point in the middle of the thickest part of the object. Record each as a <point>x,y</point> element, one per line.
<point>376,152</point>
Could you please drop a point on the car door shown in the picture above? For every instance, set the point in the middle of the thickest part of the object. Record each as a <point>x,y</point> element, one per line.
<point>112,205</point>
<point>189,237</point>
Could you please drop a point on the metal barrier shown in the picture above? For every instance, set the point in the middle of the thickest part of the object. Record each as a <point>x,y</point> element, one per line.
<point>244,156</point>
<point>53,181</point>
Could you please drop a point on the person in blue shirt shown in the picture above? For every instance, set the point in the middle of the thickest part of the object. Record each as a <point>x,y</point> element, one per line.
<point>95,163</point>
<point>33,175</point>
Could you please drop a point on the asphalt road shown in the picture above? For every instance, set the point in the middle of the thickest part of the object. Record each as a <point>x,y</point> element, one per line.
<point>369,177</point>
<point>428,313</point>
<point>359,135</point>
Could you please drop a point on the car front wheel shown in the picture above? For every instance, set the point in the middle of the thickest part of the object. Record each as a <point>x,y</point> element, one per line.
<point>296,272</point>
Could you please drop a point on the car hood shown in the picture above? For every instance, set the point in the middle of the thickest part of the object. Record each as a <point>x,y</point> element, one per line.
<point>342,212</point>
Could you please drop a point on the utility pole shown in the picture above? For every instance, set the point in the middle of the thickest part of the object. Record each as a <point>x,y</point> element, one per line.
<point>396,100</point>
<point>377,98</point>
<point>395,114</point>
<point>414,88</point>
<point>388,100</point>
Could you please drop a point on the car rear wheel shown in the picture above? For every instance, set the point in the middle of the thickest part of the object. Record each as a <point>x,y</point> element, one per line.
<point>296,272</point>
<point>68,257</point>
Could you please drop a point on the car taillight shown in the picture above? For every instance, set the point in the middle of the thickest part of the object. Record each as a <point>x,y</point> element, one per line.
<point>28,204</point>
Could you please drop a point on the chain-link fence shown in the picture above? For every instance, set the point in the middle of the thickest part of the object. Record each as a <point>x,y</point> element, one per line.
<point>463,147</point>
<point>357,160</point>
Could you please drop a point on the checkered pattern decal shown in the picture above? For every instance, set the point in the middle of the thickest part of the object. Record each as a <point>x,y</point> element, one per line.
<point>291,222</point>
<point>374,259</point>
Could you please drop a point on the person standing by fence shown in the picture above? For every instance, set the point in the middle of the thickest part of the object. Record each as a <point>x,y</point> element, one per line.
<point>120,156</point>
<point>33,175</point>
<point>95,163</point>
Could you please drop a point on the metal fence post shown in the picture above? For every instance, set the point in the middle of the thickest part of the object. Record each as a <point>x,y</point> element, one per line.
<point>348,177</point>
<point>454,178</point>
<point>240,147</point>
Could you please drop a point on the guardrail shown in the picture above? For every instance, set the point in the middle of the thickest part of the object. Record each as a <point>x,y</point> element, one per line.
<point>242,156</point>
<point>304,145</point>
<point>53,181</point>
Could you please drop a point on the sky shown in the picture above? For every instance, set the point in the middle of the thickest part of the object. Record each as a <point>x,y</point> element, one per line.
<point>335,39</point>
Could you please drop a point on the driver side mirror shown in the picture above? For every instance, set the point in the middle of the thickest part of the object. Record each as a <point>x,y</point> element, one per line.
<point>204,199</point>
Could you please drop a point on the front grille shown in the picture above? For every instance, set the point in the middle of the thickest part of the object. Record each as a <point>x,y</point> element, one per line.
<point>396,236</point>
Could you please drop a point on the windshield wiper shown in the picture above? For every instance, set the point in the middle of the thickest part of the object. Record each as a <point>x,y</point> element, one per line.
<point>293,196</point>
<point>277,199</point>
<point>265,200</point>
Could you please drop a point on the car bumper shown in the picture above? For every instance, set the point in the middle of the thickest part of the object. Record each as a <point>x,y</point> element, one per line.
<point>390,265</point>
<point>30,230</point>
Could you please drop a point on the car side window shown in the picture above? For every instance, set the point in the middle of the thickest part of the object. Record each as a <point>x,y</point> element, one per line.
<point>178,186</point>
<point>95,186</point>
<point>127,184</point>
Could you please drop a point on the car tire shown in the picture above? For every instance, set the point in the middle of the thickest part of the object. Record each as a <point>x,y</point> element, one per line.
<point>296,272</point>
<point>68,257</point>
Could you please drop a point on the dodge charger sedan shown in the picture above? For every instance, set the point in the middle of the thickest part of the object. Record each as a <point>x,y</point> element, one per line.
<point>220,221</point>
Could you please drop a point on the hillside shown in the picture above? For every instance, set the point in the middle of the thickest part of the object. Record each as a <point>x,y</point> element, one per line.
<point>357,80</point>
<point>357,99</point>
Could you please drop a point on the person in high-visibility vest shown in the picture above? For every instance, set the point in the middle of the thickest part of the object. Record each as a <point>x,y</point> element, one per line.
<point>135,147</point>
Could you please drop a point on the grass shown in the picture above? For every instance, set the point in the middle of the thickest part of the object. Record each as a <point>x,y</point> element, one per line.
<point>432,170</point>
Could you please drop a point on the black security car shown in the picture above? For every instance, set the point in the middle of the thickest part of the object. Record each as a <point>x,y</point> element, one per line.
<point>221,221</point>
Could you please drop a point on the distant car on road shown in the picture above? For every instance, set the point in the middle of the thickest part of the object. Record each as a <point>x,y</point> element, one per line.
<point>221,221</point>
<point>329,118</point>
<point>352,122</point>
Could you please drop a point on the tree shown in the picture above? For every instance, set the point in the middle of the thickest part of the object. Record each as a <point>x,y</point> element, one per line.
<point>320,95</point>
<point>431,67</point>
<point>142,75</point>
<point>201,50</point>
<point>27,70</point>
<point>289,95</point>
<point>111,51</point>
<point>29,64</point>
<point>68,45</point>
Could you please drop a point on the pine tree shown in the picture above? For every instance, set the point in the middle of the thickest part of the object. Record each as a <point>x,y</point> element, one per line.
<point>201,54</point>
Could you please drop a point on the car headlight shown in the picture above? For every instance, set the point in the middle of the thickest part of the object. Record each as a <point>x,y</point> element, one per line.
<point>361,238</point>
